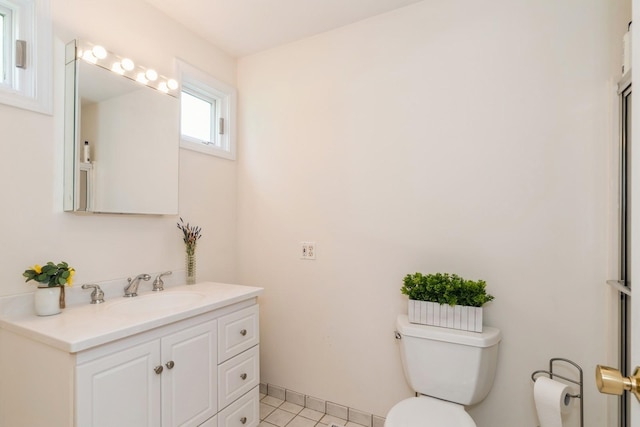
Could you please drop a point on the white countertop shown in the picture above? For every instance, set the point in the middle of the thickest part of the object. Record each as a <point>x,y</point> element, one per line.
<point>85,326</point>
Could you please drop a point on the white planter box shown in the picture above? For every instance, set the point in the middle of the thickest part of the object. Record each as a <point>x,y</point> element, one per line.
<point>446,316</point>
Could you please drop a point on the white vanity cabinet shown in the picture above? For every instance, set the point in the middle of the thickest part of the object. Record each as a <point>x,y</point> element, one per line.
<point>197,366</point>
<point>167,381</point>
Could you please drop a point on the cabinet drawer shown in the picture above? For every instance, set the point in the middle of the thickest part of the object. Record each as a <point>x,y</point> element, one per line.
<point>244,412</point>
<point>237,332</point>
<point>238,375</point>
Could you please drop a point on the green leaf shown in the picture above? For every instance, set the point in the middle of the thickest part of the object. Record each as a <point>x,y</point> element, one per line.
<point>49,268</point>
<point>444,288</point>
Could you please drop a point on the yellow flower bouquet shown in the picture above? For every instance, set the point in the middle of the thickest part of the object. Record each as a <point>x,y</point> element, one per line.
<point>52,274</point>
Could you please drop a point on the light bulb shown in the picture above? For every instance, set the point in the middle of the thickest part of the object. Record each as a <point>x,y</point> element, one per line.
<point>99,52</point>
<point>162,87</point>
<point>88,56</point>
<point>172,84</point>
<point>127,64</point>
<point>117,68</point>
<point>141,78</point>
<point>151,75</point>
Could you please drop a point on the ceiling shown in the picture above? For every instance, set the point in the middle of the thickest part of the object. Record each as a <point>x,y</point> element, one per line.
<point>243,27</point>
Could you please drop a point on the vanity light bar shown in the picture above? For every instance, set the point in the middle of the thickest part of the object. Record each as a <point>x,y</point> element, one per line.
<point>98,55</point>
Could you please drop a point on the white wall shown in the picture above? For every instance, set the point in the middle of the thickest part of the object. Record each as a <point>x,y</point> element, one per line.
<point>447,136</point>
<point>467,137</point>
<point>104,247</point>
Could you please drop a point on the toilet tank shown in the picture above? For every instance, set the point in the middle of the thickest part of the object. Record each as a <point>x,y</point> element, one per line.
<point>449,364</point>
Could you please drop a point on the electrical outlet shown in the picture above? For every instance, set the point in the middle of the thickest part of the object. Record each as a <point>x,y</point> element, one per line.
<point>311,250</point>
<point>308,250</point>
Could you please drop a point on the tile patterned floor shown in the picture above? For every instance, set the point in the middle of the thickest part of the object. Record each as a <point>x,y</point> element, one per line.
<point>279,413</point>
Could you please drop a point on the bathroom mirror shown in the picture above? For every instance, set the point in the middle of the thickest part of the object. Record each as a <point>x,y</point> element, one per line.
<point>132,135</point>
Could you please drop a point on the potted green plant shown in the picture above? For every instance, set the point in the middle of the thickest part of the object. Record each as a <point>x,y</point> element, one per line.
<point>52,278</point>
<point>446,300</point>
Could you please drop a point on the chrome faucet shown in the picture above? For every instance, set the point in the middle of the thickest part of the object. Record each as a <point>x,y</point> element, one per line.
<point>132,288</point>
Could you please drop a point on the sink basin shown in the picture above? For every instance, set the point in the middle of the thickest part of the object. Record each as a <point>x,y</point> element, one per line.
<point>154,303</point>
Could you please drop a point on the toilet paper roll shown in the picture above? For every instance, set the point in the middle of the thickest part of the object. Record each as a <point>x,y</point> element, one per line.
<point>552,401</point>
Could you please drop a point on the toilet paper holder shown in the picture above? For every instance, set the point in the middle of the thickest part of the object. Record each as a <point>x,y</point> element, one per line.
<point>579,382</point>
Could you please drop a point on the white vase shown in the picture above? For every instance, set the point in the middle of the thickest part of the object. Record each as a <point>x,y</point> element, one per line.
<point>443,315</point>
<point>47,301</point>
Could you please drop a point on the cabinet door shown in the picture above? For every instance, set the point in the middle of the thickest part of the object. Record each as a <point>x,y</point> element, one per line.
<point>189,380</point>
<point>121,389</point>
<point>211,422</point>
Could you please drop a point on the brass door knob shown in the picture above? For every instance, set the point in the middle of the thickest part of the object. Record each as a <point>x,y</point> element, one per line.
<point>610,381</point>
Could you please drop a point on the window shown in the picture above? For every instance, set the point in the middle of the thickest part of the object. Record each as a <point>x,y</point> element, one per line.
<point>207,118</point>
<point>198,117</point>
<point>25,54</point>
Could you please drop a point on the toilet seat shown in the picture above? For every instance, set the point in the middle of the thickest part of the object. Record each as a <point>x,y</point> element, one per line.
<point>427,411</point>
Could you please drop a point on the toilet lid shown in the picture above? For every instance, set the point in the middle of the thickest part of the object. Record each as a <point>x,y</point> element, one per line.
<point>428,412</point>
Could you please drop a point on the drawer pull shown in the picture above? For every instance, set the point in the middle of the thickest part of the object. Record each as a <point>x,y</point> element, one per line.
<point>243,332</point>
<point>158,369</point>
<point>243,420</point>
<point>170,364</point>
<point>243,376</point>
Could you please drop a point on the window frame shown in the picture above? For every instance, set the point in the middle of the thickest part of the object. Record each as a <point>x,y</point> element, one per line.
<point>201,85</point>
<point>6,54</point>
<point>30,88</point>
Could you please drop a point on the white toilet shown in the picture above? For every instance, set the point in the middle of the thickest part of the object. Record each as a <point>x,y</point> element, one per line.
<point>450,369</point>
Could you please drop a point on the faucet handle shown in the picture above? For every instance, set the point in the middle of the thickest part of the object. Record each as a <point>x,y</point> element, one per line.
<point>97,296</point>
<point>158,284</point>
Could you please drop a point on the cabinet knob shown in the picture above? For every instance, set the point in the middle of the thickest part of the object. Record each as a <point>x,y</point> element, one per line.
<point>243,420</point>
<point>170,364</point>
<point>158,369</point>
<point>243,376</point>
<point>243,332</point>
